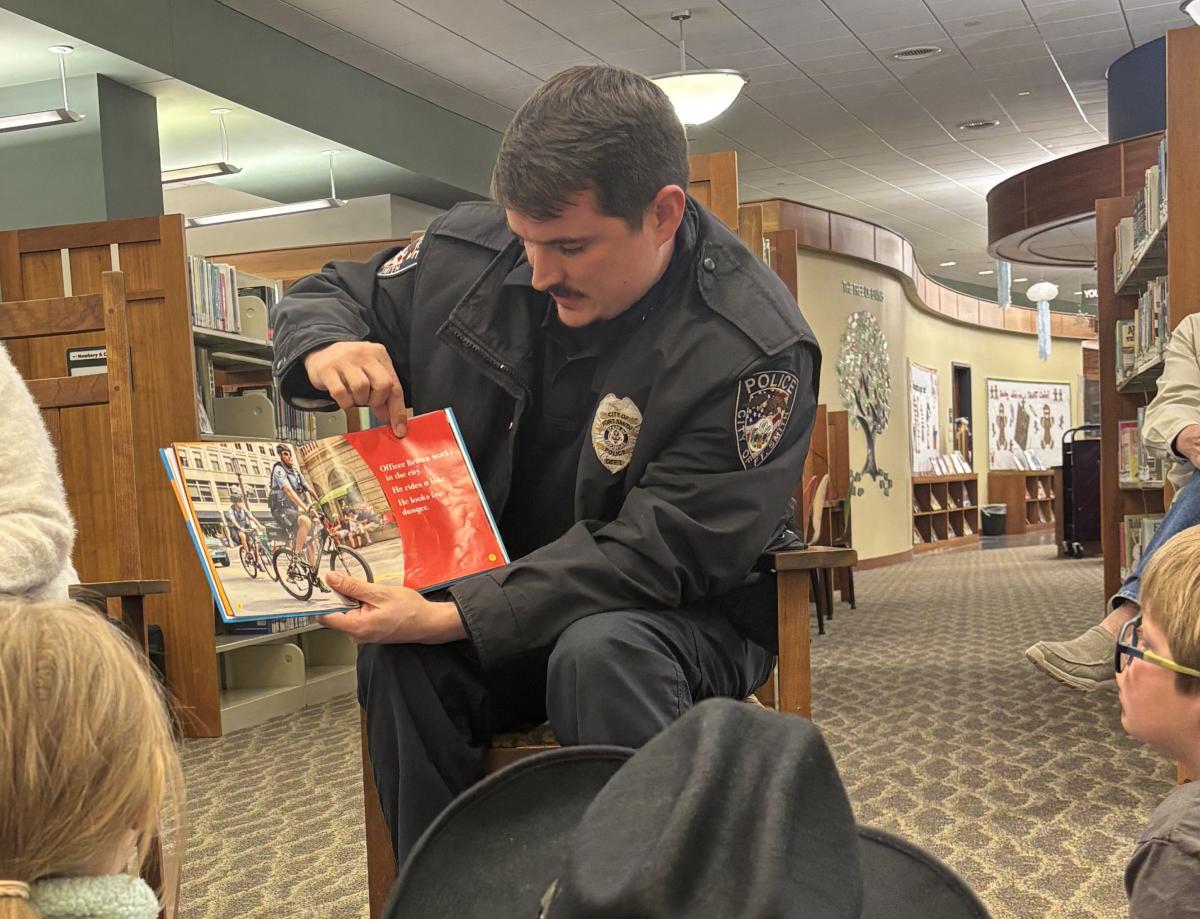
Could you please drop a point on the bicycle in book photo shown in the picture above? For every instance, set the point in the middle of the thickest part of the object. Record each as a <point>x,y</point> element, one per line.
<point>256,556</point>
<point>299,578</point>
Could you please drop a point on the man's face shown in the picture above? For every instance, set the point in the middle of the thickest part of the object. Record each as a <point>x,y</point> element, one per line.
<point>286,457</point>
<point>1153,708</point>
<point>595,266</point>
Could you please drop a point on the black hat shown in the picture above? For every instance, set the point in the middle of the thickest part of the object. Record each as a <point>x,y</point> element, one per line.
<point>733,811</point>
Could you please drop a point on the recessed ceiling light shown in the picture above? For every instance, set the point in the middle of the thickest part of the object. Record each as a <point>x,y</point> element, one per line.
<point>1024,93</point>
<point>1048,146</point>
<point>977,124</point>
<point>989,271</point>
<point>947,264</point>
<point>1019,280</point>
<point>916,52</point>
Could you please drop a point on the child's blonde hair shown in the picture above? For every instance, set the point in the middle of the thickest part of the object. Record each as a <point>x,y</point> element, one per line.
<point>1170,589</point>
<point>86,746</point>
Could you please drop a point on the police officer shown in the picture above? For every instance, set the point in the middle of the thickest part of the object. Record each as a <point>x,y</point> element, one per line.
<point>636,390</point>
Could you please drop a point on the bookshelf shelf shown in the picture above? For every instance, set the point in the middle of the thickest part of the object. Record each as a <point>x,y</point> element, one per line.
<point>1028,495</point>
<point>226,360</point>
<point>955,524</point>
<point>233,642</point>
<point>1141,486</point>
<point>231,341</point>
<point>1148,263</point>
<point>1144,379</point>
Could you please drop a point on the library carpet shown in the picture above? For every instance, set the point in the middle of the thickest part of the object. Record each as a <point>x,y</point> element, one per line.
<point>942,731</point>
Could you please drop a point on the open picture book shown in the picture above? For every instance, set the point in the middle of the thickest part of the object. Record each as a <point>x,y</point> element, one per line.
<point>270,520</point>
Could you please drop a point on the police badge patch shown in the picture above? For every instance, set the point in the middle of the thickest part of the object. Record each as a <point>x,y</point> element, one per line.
<point>615,431</point>
<point>764,405</point>
<point>402,261</point>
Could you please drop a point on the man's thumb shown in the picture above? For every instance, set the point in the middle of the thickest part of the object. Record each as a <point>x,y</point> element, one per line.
<point>351,587</point>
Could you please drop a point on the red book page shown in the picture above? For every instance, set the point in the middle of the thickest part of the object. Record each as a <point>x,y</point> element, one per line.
<point>442,525</point>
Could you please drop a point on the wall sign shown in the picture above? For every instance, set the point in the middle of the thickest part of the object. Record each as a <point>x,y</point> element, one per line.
<point>861,290</point>
<point>923,419</point>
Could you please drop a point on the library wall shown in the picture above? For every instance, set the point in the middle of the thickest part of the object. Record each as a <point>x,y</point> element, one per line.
<point>926,339</point>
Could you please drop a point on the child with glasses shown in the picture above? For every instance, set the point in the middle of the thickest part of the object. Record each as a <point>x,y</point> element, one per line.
<point>1158,677</point>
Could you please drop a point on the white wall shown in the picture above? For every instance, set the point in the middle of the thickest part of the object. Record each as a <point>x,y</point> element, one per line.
<point>377,217</point>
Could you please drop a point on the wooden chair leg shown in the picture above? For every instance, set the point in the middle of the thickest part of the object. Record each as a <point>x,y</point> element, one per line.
<point>827,583</point>
<point>850,584</point>
<point>815,592</point>
<point>134,620</point>
<point>381,860</point>
<point>795,644</point>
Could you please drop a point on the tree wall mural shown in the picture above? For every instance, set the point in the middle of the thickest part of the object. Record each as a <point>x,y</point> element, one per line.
<point>865,384</point>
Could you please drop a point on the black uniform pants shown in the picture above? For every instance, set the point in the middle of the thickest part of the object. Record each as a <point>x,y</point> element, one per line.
<point>612,678</point>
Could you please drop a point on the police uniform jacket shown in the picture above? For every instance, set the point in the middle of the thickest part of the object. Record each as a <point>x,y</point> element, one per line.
<point>699,433</point>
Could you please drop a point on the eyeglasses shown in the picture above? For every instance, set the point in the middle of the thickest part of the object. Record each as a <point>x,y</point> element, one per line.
<point>1129,646</point>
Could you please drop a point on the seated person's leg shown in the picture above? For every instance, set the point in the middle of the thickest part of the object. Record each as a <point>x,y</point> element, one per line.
<point>621,677</point>
<point>1086,662</point>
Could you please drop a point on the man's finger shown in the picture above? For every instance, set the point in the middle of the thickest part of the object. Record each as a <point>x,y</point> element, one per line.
<point>354,588</point>
<point>347,623</point>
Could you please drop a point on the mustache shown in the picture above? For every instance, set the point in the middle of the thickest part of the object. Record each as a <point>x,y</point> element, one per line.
<point>565,293</point>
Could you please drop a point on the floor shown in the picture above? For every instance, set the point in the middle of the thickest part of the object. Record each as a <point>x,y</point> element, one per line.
<point>942,732</point>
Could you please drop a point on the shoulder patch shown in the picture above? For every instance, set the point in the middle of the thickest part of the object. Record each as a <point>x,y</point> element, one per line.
<point>764,404</point>
<point>402,261</point>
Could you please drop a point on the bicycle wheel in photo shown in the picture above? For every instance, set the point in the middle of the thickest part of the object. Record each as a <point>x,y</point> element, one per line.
<point>347,561</point>
<point>249,559</point>
<point>293,573</point>
<point>264,561</point>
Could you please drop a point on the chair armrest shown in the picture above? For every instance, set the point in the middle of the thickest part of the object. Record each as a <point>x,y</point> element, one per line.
<point>814,557</point>
<point>127,588</point>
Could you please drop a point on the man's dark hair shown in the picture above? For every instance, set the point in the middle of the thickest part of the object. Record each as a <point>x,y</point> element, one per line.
<point>598,128</point>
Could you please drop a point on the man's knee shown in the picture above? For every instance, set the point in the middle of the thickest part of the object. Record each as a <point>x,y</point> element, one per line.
<point>596,647</point>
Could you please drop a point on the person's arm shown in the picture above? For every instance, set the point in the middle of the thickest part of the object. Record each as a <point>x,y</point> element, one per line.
<point>693,527</point>
<point>36,529</point>
<point>1172,424</point>
<point>341,338</point>
<point>1163,882</point>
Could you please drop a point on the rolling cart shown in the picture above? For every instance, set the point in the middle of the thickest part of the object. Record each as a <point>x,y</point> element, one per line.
<point>1081,491</point>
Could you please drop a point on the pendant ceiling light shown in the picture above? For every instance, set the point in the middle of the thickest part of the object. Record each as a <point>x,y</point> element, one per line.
<point>1191,8</point>
<point>51,116</point>
<point>274,210</point>
<point>699,95</point>
<point>205,170</point>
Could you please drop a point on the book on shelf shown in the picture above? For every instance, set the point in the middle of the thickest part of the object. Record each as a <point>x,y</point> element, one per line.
<point>966,496</point>
<point>1126,351</point>
<point>1040,491</point>
<point>917,538</point>
<point>212,293</point>
<point>1021,459</point>
<point>917,509</point>
<point>1123,256</point>
<point>1133,233</point>
<point>966,527</point>
<point>406,511</point>
<point>1136,531</point>
<point>934,504</point>
<point>1128,450</point>
<point>1150,468</point>
<point>961,466</point>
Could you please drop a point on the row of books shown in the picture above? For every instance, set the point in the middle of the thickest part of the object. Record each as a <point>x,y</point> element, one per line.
<point>213,295</point>
<point>954,530</point>
<point>949,464</point>
<point>1037,493</point>
<point>1135,466</point>
<point>1136,531</point>
<point>288,423</point>
<point>954,502</point>
<point>1027,460</point>
<point>1037,513</point>
<point>1149,214</point>
<point>1143,339</point>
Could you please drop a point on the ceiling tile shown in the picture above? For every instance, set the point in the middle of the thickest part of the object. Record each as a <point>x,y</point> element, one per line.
<point>1088,25</point>
<point>980,23</point>
<point>1074,9</point>
<point>880,17</point>
<point>613,31</point>
<point>860,60</point>
<point>1005,38</point>
<point>1011,55</point>
<point>1116,39</point>
<point>815,51</point>
<point>1166,15</point>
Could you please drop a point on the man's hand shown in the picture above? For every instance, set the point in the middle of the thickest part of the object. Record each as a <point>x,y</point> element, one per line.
<point>392,615</point>
<point>1187,444</point>
<point>360,373</point>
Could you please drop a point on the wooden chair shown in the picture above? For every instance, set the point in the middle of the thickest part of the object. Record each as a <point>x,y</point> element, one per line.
<point>103,312</point>
<point>822,589</point>
<point>788,690</point>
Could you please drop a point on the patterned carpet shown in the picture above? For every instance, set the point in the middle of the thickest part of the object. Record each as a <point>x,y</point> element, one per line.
<point>942,731</point>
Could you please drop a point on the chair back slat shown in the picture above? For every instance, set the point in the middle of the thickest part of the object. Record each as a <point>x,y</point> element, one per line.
<point>68,392</point>
<point>56,316</point>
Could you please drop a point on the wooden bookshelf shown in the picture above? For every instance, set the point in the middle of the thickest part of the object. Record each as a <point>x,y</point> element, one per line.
<point>1177,254</point>
<point>1030,497</point>
<point>945,512</point>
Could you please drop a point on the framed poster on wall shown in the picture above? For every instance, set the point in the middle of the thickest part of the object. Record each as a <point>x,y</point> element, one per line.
<point>1026,423</point>
<point>923,419</point>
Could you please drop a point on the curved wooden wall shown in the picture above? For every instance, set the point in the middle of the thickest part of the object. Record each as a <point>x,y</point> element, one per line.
<point>1063,191</point>
<point>828,231</point>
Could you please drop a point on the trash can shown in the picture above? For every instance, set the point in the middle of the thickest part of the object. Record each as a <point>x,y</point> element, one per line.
<point>993,519</point>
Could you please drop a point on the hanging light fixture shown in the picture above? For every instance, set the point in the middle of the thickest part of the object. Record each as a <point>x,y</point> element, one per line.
<point>1191,8</point>
<point>51,116</point>
<point>274,210</point>
<point>699,95</point>
<point>205,170</point>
